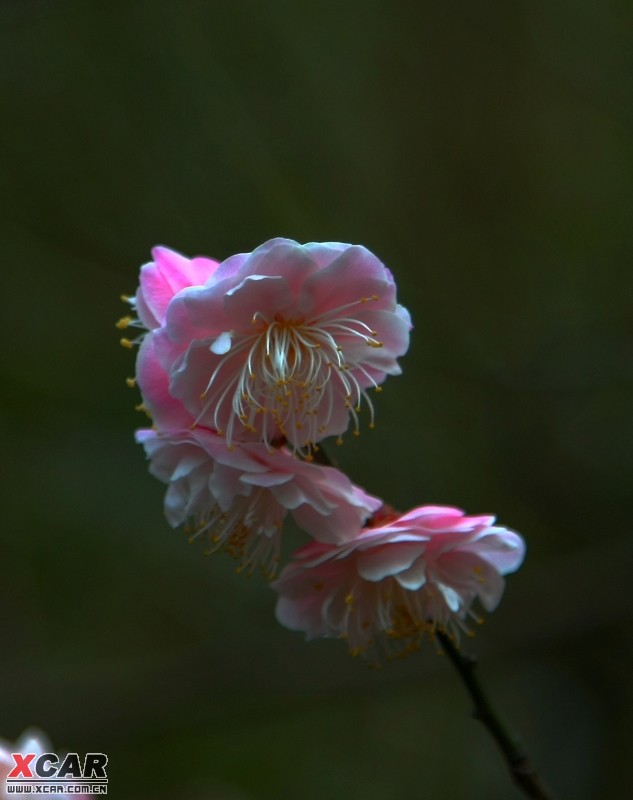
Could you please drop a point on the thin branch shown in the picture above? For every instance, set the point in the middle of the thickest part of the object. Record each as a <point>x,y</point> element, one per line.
<point>523,772</point>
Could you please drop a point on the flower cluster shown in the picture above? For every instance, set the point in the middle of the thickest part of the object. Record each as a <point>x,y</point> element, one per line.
<point>245,367</point>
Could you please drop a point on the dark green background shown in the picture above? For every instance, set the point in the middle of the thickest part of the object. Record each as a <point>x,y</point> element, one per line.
<point>484,151</point>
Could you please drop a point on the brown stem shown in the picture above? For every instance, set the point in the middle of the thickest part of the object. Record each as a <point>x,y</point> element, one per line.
<point>523,772</point>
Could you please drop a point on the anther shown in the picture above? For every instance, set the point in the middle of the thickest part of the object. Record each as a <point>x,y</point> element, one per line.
<point>127,343</point>
<point>131,382</point>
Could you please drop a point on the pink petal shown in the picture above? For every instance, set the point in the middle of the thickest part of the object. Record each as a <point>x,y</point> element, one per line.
<point>323,253</point>
<point>502,548</point>
<point>256,294</point>
<point>267,479</point>
<point>229,268</point>
<point>382,562</point>
<point>153,381</point>
<point>356,273</point>
<point>198,312</point>
<point>283,258</point>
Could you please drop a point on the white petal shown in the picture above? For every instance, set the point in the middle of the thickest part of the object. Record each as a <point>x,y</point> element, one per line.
<point>453,600</point>
<point>413,578</point>
<point>222,344</point>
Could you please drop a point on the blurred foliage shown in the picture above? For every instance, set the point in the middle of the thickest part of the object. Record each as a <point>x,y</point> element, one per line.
<point>484,151</point>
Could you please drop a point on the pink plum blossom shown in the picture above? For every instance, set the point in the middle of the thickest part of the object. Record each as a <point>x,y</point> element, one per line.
<point>163,278</point>
<point>31,741</point>
<point>237,497</point>
<point>285,341</point>
<point>160,280</point>
<point>413,573</point>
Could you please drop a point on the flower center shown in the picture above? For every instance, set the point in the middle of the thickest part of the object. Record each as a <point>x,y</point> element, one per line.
<point>288,377</point>
<point>249,531</point>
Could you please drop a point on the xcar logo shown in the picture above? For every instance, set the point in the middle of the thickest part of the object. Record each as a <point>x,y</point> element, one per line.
<point>50,774</point>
